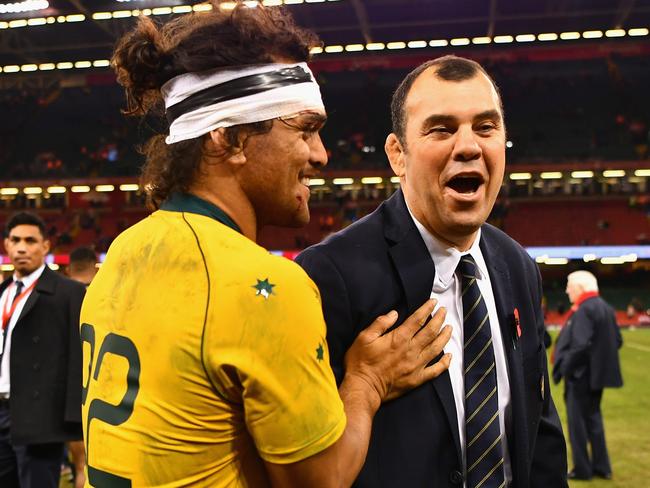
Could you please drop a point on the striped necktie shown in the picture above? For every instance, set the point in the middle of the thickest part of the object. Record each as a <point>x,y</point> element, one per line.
<point>484,456</point>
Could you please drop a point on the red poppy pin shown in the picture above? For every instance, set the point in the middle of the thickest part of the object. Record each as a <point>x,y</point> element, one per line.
<point>516,312</point>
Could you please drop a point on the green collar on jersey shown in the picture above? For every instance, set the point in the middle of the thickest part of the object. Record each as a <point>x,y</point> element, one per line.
<point>186,202</point>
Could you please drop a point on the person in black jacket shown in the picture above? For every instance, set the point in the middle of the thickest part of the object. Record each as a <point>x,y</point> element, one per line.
<point>586,356</point>
<point>448,149</point>
<point>40,362</point>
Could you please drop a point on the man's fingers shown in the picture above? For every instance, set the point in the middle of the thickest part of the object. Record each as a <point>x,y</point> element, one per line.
<point>437,368</point>
<point>437,321</point>
<point>437,345</point>
<point>380,325</point>
<point>429,332</point>
<point>417,319</point>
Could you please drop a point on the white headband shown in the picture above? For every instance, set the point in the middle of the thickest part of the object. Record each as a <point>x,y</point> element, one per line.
<point>197,103</point>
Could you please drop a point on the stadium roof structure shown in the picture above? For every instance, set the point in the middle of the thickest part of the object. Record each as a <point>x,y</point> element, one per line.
<point>81,33</point>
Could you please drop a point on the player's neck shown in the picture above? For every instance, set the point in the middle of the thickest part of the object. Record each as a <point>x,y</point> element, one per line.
<point>229,198</point>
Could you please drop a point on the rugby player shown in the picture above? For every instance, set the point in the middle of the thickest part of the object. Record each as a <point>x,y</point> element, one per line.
<point>205,360</point>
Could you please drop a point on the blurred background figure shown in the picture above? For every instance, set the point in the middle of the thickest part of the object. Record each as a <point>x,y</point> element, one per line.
<point>83,265</point>
<point>586,356</point>
<point>40,363</point>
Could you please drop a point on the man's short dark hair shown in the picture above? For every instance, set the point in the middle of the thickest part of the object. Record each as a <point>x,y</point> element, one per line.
<point>25,218</point>
<point>448,68</point>
<point>83,255</point>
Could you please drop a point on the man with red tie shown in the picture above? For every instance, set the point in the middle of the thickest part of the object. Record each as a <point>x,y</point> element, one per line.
<point>40,361</point>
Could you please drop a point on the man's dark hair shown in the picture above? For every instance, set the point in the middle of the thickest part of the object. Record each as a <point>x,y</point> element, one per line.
<point>150,55</point>
<point>448,68</point>
<point>25,218</point>
<point>83,257</point>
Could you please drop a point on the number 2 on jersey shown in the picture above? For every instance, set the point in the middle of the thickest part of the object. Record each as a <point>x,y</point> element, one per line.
<point>104,411</point>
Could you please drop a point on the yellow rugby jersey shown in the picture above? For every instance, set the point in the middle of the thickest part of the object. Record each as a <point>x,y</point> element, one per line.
<point>203,354</point>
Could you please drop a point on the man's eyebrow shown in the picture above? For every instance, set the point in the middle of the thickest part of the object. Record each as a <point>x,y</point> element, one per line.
<point>314,118</point>
<point>488,114</point>
<point>439,119</point>
<point>443,119</point>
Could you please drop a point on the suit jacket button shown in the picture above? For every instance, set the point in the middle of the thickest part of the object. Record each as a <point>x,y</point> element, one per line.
<point>35,339</point>
<point>36,366</point>
<point>35,394</point>
<point>456,477</point>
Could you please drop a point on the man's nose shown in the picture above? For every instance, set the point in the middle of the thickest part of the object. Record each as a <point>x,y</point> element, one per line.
<point>466,147</point>
<point>317,152</point>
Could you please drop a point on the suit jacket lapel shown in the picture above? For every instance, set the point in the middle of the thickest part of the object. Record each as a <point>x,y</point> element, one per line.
<point>45,284</point>
<point>409,253</point>
<point>416,272</point>
<point>503,294</point>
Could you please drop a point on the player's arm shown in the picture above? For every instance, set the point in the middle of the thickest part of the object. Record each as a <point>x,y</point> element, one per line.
<point>379,367</point>
<point>78,454</point>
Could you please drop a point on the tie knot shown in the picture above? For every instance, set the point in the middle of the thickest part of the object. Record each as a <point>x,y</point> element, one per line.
<point>19,285</point>
<point>467,267</point>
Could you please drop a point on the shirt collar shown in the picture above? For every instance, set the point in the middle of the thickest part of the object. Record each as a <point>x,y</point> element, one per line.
<point>446,258</point>
<point>32,277</point>
<point>186,202</point>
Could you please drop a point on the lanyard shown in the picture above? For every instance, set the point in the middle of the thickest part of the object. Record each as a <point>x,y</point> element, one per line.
<point>8,309</point>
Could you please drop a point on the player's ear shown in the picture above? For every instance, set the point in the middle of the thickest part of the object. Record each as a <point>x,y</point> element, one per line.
<point>219,144</point>
<point>395,152</point>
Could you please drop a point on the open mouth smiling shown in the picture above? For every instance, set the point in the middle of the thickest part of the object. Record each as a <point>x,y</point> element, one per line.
<point>465,184</point>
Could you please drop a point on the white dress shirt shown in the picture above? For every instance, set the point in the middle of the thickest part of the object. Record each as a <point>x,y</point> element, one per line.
<point>447,290</point>
<point>8,296</point>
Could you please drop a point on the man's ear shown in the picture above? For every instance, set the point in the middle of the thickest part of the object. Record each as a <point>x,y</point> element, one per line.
<point>396,154</point>
<point>47,245</point>
<point>220,146</point>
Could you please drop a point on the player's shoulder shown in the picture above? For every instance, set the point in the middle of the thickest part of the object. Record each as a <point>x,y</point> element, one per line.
<point>275,269</point>
<point>239,261</point>
<point>159,225</point>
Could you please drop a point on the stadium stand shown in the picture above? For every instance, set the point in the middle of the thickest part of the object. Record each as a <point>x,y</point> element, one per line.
<point>571,105</point>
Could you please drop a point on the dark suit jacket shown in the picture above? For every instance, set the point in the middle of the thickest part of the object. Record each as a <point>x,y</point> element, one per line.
<point>587,348</point>
<point>381,263</point>
<point>45,363</point>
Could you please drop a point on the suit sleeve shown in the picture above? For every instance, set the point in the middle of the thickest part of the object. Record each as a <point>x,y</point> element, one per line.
<point>561,344</point>
<point>336,306</point>
<point>619,336</point>
<point>549,458</point>
<point>72,412</point>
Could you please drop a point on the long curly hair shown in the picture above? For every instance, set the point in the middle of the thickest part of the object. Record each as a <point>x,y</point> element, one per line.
<point>150,55</point>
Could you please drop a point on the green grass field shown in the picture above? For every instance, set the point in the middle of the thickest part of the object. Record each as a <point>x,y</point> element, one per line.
<point>626,413</point>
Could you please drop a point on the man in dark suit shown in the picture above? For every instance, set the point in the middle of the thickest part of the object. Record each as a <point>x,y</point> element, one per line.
<point>586,356</point>
<point>40,365</point>
<point>489,420</point>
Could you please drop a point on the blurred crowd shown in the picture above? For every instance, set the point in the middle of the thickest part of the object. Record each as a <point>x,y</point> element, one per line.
<point>558,111</point>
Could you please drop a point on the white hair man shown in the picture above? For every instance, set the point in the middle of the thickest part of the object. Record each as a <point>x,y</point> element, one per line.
<point>587,358</point>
